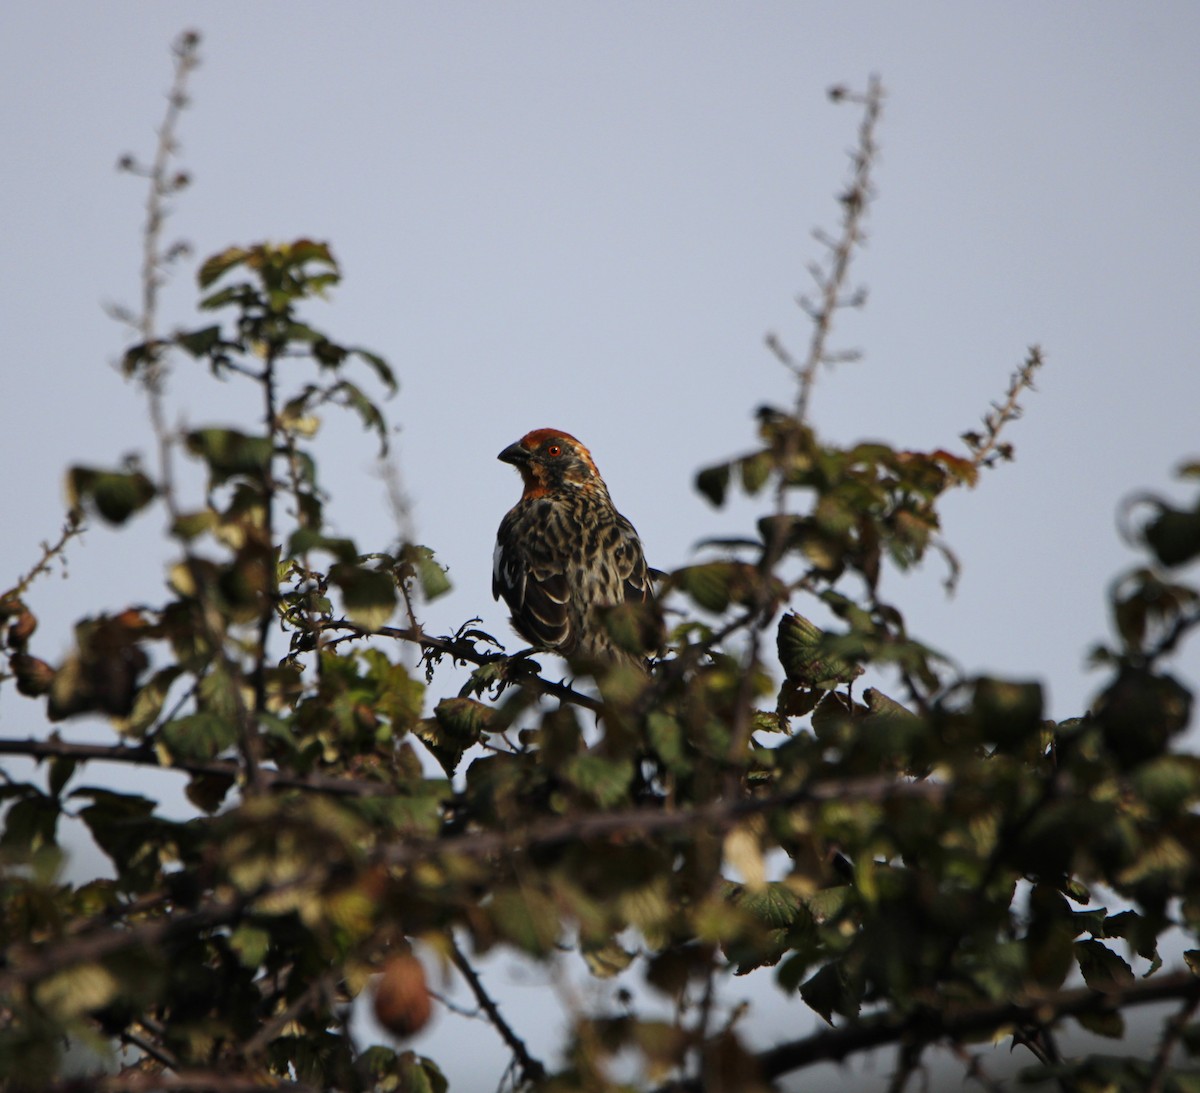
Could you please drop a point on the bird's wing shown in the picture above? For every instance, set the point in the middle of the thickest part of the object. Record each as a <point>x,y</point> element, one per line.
<point>534,586</point>
<point>631,564</point>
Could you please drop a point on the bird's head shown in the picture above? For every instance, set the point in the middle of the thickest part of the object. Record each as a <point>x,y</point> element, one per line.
<point>550,460</point>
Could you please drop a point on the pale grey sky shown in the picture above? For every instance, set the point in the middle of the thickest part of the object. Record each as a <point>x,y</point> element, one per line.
<point>587,216</point>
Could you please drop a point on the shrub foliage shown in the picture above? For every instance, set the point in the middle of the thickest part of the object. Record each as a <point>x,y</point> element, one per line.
<point>933,868</point>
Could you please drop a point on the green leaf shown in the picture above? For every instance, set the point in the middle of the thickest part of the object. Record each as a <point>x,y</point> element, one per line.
<point>634,627</point>
<point>1009,712</point>
<point>1174,535</point>
<point>606,781</point>
<point>114,495</point>
<point>1107,1023</point>
<point>208,791</point>
<point>775,905</point>
<point>350,395</point>
<point>304,540</point>
<point>368,595</point>
<point>61,768</point>
<point>31,823</point>
<point>218,693</point>
<point>755,470</point>
<point>667,738</point>
<point>190,525</point>
<point>125,828</point>
<point>231,454</point>
<point>1168,782</point>
<point>527,918</point>
<point>825,993</point>
<point>416,1074</point>
<point>302,251</point>
<point>241,294</point>
<point>430,575</point>
<point>1102,969</point>
<point>809,657</point>
<point>199,343</point>
<point>713,482</point>
<point>220,264</point>
<point>709,586</point>
<point>197,737</point>
<point>1140,711</point>
<point>380,367</point>
<point>463,720</point>
<point>80,989</point>
<point>251,943</point>
<point>670,971</point>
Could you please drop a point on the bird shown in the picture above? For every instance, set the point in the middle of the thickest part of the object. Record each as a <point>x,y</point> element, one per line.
<point>564,550</point>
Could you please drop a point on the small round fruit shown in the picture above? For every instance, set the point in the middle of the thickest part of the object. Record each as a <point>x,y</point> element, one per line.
<point>402,1002</point>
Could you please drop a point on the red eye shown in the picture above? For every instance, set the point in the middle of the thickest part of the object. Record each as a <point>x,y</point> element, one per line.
<point>554,450</point>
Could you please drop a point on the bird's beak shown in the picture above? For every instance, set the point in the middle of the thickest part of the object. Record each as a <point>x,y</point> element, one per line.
<point>514,454</point>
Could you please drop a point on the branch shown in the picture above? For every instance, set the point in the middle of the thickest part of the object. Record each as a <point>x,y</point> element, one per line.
<point>27,963</point>
<point>987,449</point>
<point>162,186</point>
<point>463,649</point>
<point>310,996</point>
<point>718,816</point>
<point>145,755</point>
<point>928,1026</point>
<point>184,1081</point>
<point>164,182</point>
<point>531,1069</point>
<point>1172,1034</point>
<point>147,1047</point>
<point>831,281</point>
<point>72,526</point>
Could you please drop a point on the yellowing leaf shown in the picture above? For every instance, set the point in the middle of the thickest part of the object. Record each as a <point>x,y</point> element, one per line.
<point>743,853</point>
<point>76,991</point>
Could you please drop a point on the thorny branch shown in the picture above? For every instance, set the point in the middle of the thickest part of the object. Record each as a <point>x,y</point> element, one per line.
<point>531,1069</point>
<point>831,278</point>
<point>986,447</point>
<point>164,182</point>
<point>72,527</point>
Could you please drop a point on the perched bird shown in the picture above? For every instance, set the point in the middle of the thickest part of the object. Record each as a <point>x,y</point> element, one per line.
<point>563,550</point>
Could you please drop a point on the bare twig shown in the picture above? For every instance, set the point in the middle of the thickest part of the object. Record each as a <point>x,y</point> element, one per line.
<point>148,1047</point>
<point>974,1068</point>
<point>72,527</point>
<point>1172,1034</point>
<point>531,1069</point>
<point>310,996</point>
<point>164,182</point>
<point>908,1057</point>
<point>986,447</point>
<point>832,277</point>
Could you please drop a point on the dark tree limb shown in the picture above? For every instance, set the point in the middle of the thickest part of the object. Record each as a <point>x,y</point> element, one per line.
<point>929,1027</point>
